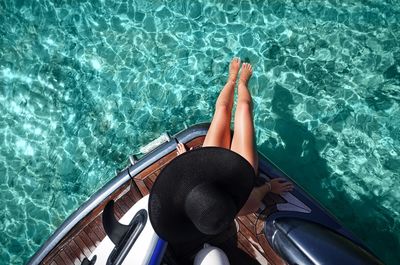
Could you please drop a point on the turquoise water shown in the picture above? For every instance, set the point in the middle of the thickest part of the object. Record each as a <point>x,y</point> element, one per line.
<point>83,84</point>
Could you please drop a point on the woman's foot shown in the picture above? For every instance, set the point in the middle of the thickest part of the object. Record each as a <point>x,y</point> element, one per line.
<point>234,70</point>
<point>181,148</point>
<point>246,73</point>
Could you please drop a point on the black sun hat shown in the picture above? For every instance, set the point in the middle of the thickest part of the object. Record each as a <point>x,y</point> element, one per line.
<point>199,193</point>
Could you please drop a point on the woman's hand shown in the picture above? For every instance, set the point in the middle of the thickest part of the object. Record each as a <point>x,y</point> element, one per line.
<point>181,148</point>
<point>280,185</point>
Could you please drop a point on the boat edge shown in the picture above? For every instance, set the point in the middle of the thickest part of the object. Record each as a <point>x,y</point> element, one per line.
<point>111,186</point>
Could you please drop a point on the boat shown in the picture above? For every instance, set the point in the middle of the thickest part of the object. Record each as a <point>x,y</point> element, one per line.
<point>112,226</point>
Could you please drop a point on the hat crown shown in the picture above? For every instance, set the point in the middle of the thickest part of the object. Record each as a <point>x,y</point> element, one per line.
<point>182,208</point>
<point>209,208</point>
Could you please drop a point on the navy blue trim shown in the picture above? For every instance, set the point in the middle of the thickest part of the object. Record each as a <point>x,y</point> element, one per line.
<point>158,252</point>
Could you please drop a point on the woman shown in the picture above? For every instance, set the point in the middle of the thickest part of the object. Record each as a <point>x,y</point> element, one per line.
<point>243,142</point>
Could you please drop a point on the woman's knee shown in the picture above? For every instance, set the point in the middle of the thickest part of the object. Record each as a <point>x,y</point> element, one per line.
<point>244,105</point>
<point>223,107</point>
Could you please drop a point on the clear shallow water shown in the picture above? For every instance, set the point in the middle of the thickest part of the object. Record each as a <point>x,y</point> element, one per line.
<point>84,84</point>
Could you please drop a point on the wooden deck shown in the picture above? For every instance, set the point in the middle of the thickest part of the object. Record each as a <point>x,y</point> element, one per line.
<point>82,240</point>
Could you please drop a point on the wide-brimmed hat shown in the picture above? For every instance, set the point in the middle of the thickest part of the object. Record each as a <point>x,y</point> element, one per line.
<point>199,193</point>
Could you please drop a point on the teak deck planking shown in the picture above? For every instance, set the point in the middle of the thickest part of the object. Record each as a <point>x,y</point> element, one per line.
<point>82,240</point>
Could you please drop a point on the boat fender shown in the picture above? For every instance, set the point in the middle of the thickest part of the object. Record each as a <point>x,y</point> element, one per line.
<point>211,255</point>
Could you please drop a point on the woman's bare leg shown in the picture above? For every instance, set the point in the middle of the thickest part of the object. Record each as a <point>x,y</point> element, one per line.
<point>219,133</point>
<point>243,141</point>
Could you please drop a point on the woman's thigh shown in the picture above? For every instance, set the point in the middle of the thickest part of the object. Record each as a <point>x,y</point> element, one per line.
<point>219,133</point>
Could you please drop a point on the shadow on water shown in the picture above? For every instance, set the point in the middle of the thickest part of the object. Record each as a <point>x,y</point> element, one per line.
<point>299,157</point>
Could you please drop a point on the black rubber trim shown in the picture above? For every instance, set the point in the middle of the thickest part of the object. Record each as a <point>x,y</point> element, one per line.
<point>125,243</point>
<point>114,229</point>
